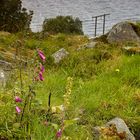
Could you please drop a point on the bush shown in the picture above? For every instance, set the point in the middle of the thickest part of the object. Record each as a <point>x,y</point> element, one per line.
<point>63,24</point>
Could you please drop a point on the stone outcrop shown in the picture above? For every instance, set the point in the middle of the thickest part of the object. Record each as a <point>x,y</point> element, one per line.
<point>122,32</point>
<point>59,55</point>
<point>5,65</point>
<point>5,69</point>
<point>116,128</point>
<point>89,45</point>
<point>2,78</point>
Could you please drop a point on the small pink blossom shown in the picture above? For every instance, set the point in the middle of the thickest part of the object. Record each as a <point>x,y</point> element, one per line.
<point>59,133</point>
<point>18,99</point>
<point>41,55</point>
<point>18,110</point>
<point>42,69</point>
<point>41,76</point>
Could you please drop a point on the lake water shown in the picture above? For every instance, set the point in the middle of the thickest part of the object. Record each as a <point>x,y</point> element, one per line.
<point>84,9</point>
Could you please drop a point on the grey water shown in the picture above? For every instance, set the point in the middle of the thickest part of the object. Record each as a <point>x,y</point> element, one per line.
<point>84,9</point>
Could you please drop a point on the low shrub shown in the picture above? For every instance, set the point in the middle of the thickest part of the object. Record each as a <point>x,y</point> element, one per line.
<point>63,24</point>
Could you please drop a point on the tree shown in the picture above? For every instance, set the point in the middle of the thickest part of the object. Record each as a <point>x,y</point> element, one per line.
<point>14,18</point>
<point>63,24</point>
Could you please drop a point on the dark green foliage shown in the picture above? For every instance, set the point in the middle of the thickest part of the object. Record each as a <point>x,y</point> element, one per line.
<point>136,27</point>
<point>13,17</point>
<point>63,24</point>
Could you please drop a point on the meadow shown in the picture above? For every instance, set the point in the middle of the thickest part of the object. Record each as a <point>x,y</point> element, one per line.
<point>86,89</point>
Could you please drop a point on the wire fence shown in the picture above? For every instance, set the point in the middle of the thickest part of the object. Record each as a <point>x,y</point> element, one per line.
<point>97,25</point>
<point>103,24</point>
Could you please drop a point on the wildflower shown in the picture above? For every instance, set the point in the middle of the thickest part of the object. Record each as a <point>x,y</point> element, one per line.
<point>68,92</point>
<point>41,55</point>
<point>42,69</point>
<point>17,99</point>
<point>117,70</point>
<point>41,76</point>
<point>59,133</point>
<point>18,110</point>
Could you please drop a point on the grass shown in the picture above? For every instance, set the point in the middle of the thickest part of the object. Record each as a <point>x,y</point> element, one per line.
<point>99,93</point>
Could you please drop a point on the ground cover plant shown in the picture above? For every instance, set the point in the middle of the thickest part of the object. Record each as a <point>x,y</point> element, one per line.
<point>66,100</point>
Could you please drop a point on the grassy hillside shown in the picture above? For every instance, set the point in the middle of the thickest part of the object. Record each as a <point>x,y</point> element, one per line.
<point>105,84</point>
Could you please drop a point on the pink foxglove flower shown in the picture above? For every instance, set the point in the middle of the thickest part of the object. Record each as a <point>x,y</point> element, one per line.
<point>41,76</point>
<point>18,110</point>
<point>41,55</point>
<point>17,99</point>
<point>59,133</point>
<point>42,69</point>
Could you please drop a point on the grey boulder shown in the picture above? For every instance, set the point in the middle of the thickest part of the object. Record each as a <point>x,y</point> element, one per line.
<point>2,78</point>
<point>122,32</point>
<point>59,55</point>
<point>119,127</point>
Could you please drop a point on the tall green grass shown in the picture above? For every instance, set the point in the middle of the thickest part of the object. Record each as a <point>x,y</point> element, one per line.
<point>106,84</point>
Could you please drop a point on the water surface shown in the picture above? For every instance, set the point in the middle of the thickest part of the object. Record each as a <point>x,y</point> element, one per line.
<point>84,9</point>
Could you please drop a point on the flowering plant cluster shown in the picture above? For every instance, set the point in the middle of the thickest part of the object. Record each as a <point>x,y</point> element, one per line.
<point>37,78</point>
<point>61,109</point>
<point>68,92</point>
<point>24,106</point>
<point>18,100</point>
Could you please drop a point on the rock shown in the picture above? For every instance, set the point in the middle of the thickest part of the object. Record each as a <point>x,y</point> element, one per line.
<point>121,127</point>
<point>116,128</point>
<point>59,55</point>
<point>2,78</point>
<point>91,45</point>
<point>5,65</point>
<point>88,45</point>
<point>122,32</point>
<point>96,132</point>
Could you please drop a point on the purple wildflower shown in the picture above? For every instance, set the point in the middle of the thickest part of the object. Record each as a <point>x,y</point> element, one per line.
<point>41,76</point>
<point>41,55</point>
<point>18,110</point>
<point>59,133</point>
<point>42,69</point>
<point>17,99</point>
